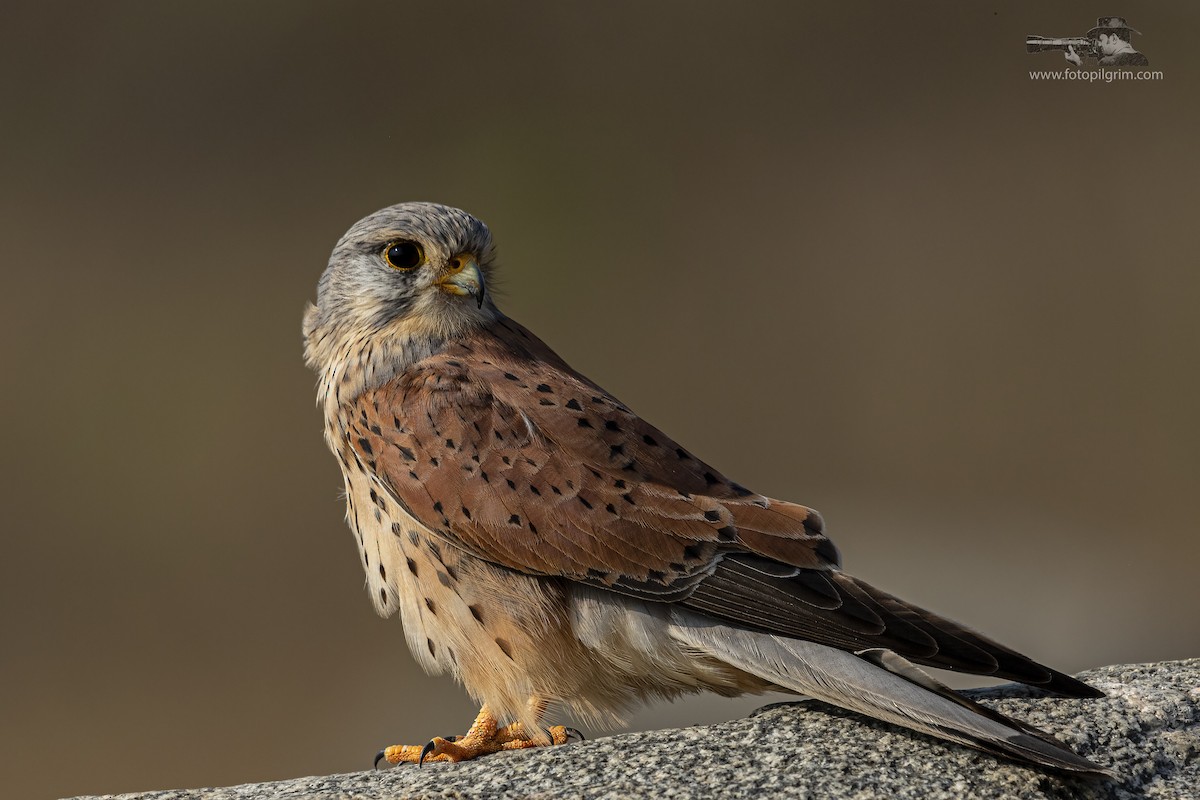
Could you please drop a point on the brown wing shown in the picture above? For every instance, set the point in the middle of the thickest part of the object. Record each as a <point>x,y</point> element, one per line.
<point>501,448</point>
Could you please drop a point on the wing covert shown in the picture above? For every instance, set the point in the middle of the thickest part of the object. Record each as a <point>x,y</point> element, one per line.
<point>510,454</point>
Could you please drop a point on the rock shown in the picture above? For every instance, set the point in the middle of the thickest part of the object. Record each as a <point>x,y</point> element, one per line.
<point>1147,729</point>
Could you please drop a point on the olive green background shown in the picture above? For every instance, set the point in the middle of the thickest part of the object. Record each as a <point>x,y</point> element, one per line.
<point>849,253</point>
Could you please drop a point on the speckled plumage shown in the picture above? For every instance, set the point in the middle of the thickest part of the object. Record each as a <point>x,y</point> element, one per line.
<point>540,540</point>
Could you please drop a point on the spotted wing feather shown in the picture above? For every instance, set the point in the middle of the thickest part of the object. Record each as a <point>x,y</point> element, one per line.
<point>525,463</point>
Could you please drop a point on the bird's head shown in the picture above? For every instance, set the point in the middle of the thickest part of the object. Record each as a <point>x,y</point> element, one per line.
<point>414,270</point>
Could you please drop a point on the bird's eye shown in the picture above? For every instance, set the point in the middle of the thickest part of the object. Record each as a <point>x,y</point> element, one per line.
<point>404,255</point>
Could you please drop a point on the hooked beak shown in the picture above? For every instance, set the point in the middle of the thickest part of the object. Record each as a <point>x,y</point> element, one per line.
<point>463,278</point>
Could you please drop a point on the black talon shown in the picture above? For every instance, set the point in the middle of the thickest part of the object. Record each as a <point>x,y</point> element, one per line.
<point>379,757</point>
<point>575,732</point>
<point>450,738</point>
<point>426,750</point>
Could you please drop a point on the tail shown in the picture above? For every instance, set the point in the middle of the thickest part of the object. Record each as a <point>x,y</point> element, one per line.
<point>882,685</point>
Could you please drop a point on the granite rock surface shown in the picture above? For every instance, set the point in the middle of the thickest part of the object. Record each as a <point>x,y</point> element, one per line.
<point>1147,729</point>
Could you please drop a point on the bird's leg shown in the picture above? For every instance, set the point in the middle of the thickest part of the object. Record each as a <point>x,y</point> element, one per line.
<point>484,737</point>
<point>516,732</point>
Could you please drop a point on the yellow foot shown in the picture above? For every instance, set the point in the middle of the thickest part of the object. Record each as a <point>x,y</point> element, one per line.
<point>484,738</point>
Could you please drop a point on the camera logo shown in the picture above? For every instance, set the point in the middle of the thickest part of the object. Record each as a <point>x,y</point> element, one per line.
<point>1110,43</point>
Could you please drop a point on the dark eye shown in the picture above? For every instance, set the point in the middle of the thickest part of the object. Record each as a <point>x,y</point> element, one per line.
<point>404,255</point>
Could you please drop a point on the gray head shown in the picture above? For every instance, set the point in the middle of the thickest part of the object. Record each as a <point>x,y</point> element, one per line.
<point>419,268</point>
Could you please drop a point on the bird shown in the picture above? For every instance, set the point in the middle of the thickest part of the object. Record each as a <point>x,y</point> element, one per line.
<point>547,547</point>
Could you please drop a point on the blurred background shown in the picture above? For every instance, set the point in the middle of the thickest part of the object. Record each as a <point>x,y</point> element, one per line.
<point>851,254</point>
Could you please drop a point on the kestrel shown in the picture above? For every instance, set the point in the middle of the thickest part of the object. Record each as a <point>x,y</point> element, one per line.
<point>544,544</point>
